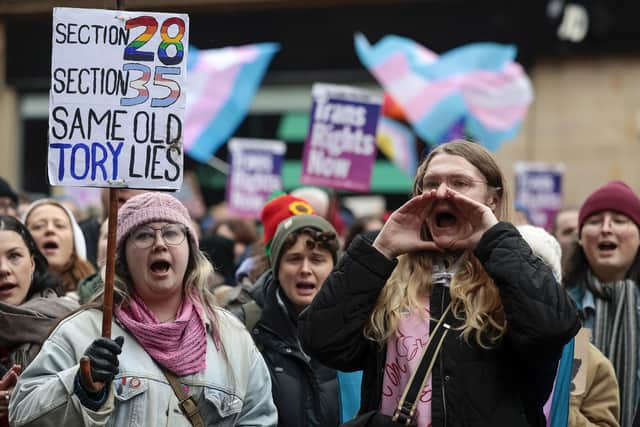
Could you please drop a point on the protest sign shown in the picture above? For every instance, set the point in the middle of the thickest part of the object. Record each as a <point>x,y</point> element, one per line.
<point>255,172</point>
<point>340,148</point>
<point>539,190</point>
<point>116,100</point>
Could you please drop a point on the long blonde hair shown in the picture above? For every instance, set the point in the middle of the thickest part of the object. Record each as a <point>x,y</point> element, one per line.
<point>474,296</point>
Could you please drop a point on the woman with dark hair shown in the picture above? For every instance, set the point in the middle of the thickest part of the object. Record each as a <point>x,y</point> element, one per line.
<point>29,304</point>
<point>603,275</point>
<point>176,359</point>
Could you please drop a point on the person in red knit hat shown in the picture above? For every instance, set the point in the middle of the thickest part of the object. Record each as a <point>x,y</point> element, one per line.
<point>602,276</point>
<point>302,248</point>
<point>278,208</point>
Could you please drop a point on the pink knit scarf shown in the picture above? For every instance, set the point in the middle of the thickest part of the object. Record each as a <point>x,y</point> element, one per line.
<point>179,346</point>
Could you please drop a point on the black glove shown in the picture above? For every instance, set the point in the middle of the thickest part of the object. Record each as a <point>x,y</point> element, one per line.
<point>103,355</point>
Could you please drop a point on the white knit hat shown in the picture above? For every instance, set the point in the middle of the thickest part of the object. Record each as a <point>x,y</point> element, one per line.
<point>316,197</point>
<point>79,243</point>
<point>545,246</point>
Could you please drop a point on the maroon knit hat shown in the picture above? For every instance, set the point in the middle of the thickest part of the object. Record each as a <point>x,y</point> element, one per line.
<point>151,207</point>
<point>614,196</point>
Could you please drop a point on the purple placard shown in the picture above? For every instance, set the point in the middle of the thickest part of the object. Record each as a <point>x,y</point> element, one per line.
<point>340,148</point>
<point>539,190</point>
<point>255,172</point>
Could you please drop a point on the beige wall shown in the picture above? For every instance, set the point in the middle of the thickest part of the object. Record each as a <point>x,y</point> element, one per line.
<point>586,114</point>
<point>8,121</point>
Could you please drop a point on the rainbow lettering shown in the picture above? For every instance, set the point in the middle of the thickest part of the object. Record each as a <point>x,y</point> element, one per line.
<point>168,41</point>
<point>131,52</point>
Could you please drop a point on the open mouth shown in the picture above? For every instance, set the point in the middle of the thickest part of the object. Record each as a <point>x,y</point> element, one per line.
<point>50,245</point>
<point>445,219</point>
<point>305,288</point>
<point>160,267</point>
<point>7,287</point>
<point>607,246</point>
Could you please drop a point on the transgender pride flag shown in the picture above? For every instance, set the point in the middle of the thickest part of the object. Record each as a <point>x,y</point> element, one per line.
<point>220,87</point>
<point>478,84</point>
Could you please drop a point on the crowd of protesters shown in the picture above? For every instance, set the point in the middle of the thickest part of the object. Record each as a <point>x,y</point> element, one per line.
<point>440,313</point>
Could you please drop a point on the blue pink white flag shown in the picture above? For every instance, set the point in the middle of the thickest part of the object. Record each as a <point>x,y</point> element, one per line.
<point>479,83</point>
<point>221,86</point>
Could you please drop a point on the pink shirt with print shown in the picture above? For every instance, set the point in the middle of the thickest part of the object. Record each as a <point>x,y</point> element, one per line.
<point>404,349</point>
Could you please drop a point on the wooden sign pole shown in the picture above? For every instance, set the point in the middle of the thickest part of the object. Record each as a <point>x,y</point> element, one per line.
<point>107,304</point>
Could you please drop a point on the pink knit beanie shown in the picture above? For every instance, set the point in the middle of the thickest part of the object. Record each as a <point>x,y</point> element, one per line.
<point>151,207</point>
<point>613,196</point>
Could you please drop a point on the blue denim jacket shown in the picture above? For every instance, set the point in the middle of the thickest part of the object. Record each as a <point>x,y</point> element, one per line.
<point>233,390</point>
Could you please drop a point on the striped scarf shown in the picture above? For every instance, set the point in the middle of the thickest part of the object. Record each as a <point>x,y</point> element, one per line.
<point>614,333</point>
<point>179,346</point>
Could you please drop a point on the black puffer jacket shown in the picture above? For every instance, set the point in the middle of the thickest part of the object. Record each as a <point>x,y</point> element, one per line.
<point>304,391</point>
<point>472,387</point>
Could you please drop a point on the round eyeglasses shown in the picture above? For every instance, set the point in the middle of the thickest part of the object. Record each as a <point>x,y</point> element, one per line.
<point>459,183</point>
<point>145,237</point>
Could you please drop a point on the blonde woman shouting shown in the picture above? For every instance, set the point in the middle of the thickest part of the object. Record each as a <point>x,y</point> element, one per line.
<point>447,250</point>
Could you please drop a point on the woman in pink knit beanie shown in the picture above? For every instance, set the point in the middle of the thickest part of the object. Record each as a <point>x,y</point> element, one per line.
<point>177,359</point>
<point>602,277</point>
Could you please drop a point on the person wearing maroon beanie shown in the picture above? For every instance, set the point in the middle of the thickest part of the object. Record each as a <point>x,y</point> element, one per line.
<point>602,277</point>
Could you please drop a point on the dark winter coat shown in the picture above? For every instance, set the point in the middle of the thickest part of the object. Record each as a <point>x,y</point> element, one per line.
<point>304,391</point>
<point>472,387</point>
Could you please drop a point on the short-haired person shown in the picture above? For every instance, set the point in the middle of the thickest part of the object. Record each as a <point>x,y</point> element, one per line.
<point>447,248</point>
<point>603,274</point>
<point>165,326</point>
<point>302,250</point>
